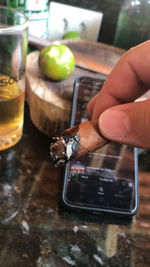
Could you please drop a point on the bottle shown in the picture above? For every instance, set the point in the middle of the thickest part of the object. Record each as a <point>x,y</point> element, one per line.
<point>133,26</point>
<point>37,12</point>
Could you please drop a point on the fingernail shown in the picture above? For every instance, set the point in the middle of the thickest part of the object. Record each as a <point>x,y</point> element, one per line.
<point>114,123</point>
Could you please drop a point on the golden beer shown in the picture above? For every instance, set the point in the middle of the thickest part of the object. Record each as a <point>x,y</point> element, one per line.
<point>11,112</point>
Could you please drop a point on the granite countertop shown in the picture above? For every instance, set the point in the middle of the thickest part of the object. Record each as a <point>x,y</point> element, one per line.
<point>34,231</point>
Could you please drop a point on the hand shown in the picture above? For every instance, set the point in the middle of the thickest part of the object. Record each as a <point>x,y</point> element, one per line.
<point>120,118</point>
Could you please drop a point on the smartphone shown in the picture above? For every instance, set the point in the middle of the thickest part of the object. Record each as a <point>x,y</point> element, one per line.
<point>105,180</point>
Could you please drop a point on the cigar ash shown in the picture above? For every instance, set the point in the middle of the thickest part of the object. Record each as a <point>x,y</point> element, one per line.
<point>65,147</point>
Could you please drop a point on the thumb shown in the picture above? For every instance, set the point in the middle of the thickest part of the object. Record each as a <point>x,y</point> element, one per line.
<point>127,123</point>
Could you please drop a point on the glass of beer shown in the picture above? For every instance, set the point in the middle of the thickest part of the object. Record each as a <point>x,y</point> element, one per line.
<point>13,50</point>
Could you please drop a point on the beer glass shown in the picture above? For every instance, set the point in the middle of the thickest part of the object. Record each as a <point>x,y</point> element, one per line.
<point>13,50</point>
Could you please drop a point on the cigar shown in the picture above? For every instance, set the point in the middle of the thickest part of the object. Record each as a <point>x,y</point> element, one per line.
<point>76,142</point>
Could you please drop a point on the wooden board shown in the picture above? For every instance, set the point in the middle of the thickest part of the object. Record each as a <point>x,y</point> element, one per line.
<point>49,101</point>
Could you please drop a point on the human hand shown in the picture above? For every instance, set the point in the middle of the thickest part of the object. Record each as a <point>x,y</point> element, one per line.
<point>120,118</point>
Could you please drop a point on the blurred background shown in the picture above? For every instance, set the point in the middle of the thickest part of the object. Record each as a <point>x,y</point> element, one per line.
<point>109,8</point>
<point>122,23</point>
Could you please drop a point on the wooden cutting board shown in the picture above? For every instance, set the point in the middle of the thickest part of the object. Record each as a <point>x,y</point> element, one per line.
<point>49,101</point>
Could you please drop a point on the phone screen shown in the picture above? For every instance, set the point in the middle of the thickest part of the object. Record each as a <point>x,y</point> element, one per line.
<point>104,180</point>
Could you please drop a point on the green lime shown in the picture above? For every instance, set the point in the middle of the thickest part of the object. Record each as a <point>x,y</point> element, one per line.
<point>72,35</point>
<point>56,62</point>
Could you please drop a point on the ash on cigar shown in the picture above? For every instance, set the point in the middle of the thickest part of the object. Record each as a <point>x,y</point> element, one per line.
<point>64,148</point>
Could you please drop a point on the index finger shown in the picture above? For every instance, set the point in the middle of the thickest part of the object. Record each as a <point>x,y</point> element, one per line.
<point>129,79</point>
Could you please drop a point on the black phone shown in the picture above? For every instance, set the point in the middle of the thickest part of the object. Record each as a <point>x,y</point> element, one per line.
<point>105,180</point>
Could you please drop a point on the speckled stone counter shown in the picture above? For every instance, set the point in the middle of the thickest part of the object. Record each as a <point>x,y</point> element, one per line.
<point>34,231</point>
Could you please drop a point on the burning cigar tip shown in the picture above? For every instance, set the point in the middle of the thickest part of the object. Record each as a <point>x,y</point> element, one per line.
<point>76,142</point>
